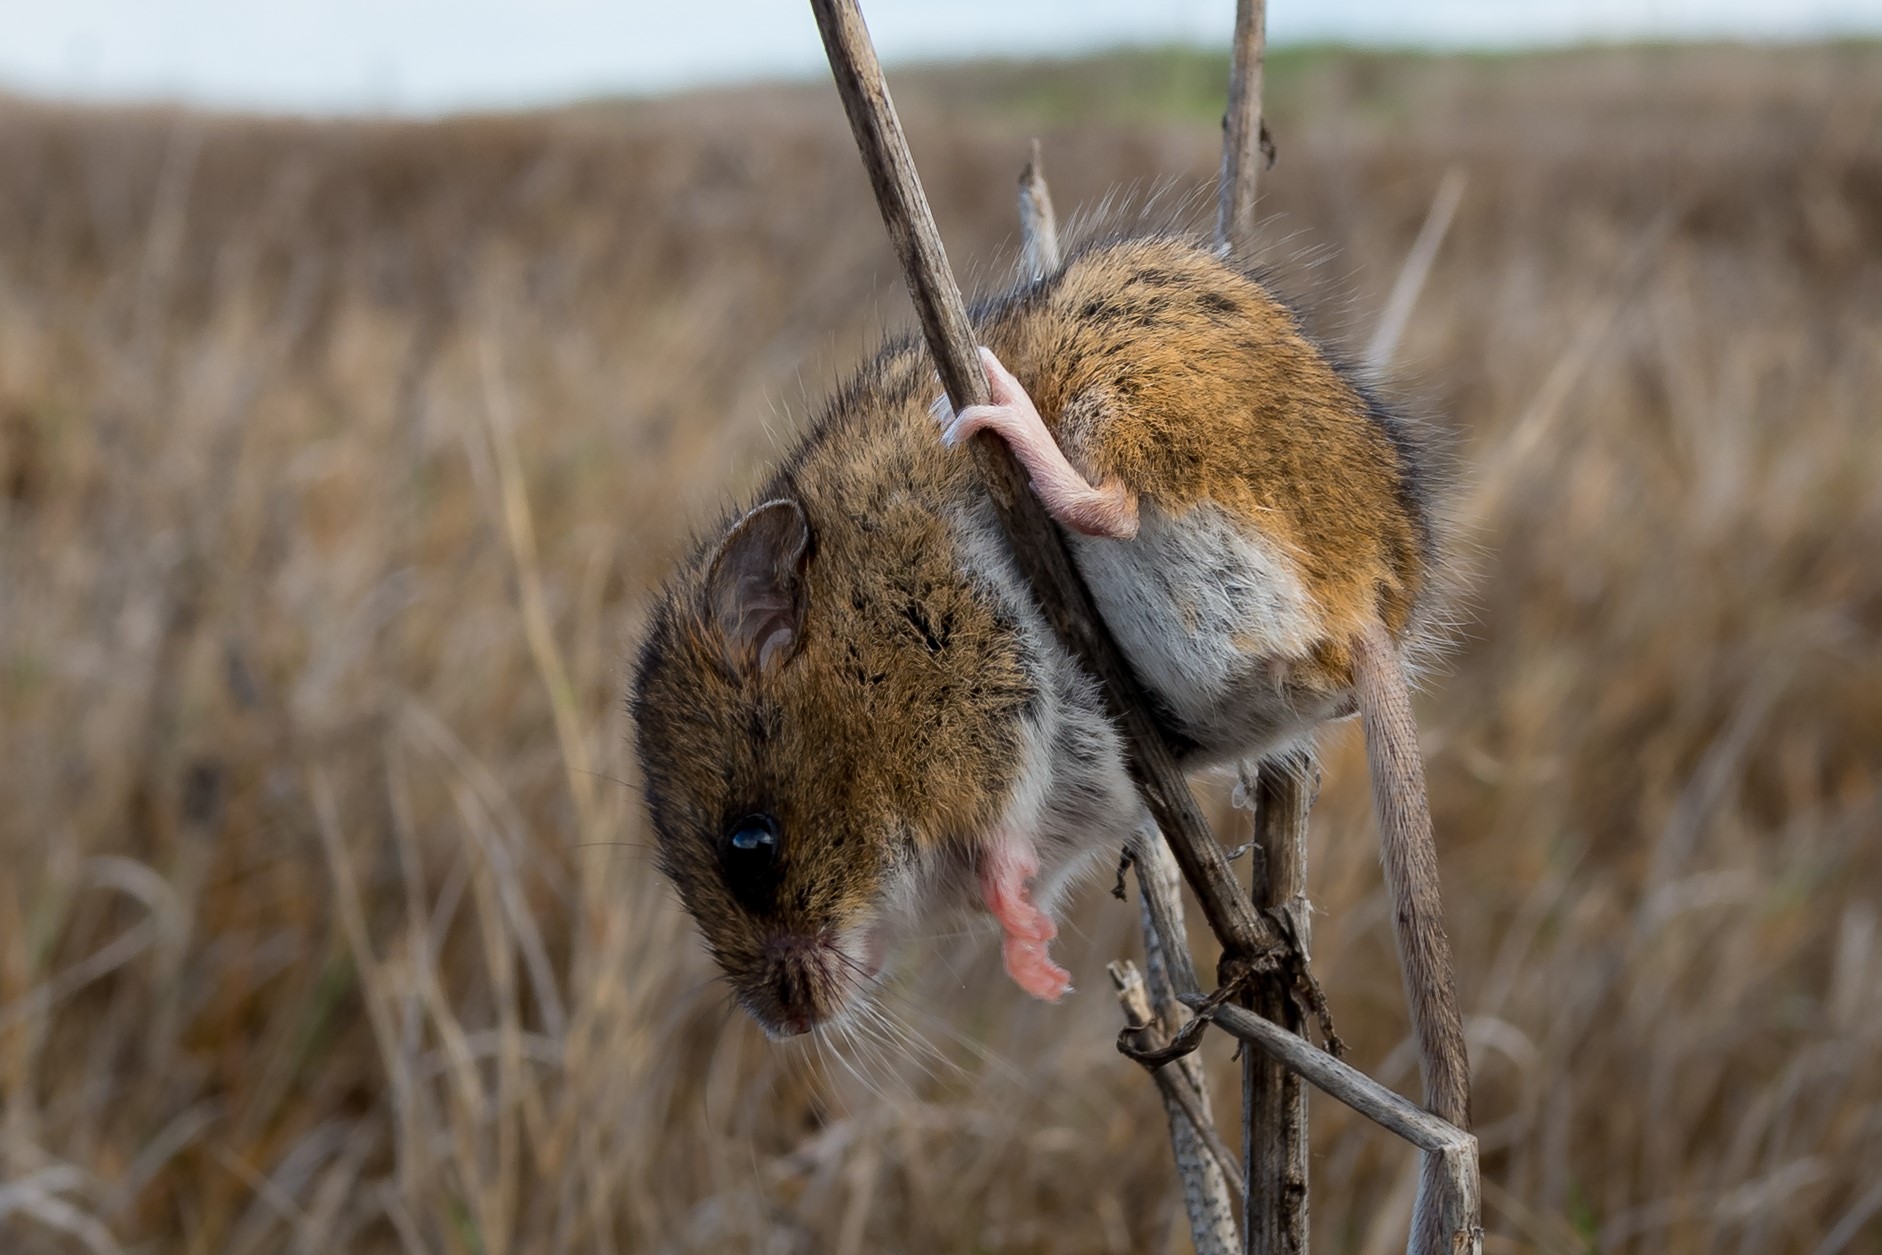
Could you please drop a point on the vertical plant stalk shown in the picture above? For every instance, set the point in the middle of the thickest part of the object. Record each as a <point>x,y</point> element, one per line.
<point>1243,133</point>
<point>1037,546</point>
<point>1250,939</point>
<point>1149,1001</point>
<point>1281,793</point>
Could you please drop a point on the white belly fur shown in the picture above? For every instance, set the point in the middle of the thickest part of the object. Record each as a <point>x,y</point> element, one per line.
<point>1210,613</point>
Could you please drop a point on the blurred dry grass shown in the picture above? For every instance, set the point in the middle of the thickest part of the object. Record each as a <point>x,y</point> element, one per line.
<point>336,460</point>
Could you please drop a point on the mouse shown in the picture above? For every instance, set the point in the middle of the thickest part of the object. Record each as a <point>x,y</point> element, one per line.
<point>851,716</point>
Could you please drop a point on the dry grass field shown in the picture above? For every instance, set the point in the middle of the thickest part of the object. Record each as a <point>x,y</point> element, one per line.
<point>337,459</point>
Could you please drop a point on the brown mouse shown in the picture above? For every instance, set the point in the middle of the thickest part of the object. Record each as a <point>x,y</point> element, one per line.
<point>851,714</point>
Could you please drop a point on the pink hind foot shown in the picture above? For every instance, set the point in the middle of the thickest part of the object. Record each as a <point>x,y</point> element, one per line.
<point>1108,510</point>
<point>1003,876</point>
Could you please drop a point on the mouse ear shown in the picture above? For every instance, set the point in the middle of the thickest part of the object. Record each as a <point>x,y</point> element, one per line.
<point>755,587</point>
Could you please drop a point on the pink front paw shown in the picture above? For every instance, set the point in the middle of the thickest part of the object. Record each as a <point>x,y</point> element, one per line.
<point>1004,871</point>
<point>1033,970</point>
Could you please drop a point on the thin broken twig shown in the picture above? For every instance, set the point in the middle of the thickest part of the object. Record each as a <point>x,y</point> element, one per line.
<point>1204,1163</point>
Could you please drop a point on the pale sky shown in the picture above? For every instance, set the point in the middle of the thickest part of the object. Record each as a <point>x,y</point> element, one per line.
<point>429,56</point>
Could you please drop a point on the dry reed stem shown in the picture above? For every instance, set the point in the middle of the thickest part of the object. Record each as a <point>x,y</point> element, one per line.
<point>1411,275</point>
<point>1242,127</point>
<point>1204,1163</point>
<point>1384,1107</point>
<point>1182,1083</point>
<point>1274,1106</point>
<point>1054,580</point>
<point>1274,1102</point>
<point>1034,538</point>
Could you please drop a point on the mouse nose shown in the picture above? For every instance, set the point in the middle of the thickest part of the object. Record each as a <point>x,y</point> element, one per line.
<point>800,984</point>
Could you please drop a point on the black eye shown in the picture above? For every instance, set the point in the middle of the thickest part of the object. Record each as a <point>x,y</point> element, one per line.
<point>750,856</point>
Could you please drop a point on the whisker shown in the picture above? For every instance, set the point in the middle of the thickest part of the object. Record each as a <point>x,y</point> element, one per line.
<point>1000,1064</point>
<point>873,1090</point>
<point>869,1058</point>
<point>917,1049</point>
<point>602,775</point>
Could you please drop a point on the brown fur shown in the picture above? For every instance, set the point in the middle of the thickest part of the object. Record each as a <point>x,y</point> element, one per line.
<point>1160,366</point>
<point>892,738</point>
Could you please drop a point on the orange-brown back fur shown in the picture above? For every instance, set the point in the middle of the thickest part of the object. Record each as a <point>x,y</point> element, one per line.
<point>1155,362</point>
<point>897,732</point>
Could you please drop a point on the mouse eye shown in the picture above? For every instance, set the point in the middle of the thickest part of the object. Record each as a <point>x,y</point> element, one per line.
<point>751,860</point>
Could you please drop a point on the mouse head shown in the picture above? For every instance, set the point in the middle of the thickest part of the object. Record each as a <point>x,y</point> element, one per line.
<point>804,760</point>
